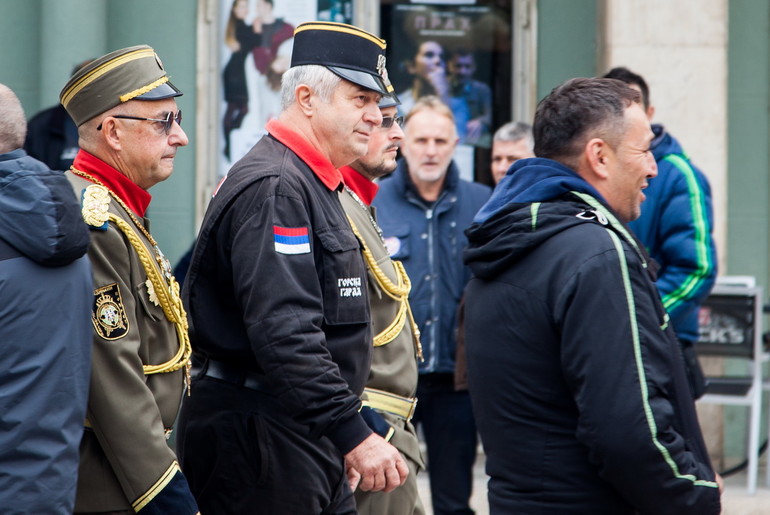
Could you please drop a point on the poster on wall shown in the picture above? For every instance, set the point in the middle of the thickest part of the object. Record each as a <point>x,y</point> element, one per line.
<point>459,51</point>
<point>434,49</point>
<point>256,43</point>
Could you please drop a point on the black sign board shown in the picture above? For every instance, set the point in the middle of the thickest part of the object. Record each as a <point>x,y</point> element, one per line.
<point>728,322</point>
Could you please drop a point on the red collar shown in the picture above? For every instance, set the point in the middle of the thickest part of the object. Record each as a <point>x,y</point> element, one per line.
<point>135,197</point>
<point>361,186</point>
<point>322,167</point>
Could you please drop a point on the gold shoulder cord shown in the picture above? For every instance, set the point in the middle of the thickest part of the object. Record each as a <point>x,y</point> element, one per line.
<point>398,292</point>
<point>169,299</point>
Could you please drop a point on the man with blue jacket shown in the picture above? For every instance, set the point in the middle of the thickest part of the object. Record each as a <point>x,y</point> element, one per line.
<point>45,327</point>
<point>424,207</point>
<point>675,227</point>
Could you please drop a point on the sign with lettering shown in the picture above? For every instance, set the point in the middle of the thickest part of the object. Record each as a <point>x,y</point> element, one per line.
<point>727,323</point>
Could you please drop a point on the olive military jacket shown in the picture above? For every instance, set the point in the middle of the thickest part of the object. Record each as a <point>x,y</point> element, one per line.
<point>394,358</point>
<point>125,461</point>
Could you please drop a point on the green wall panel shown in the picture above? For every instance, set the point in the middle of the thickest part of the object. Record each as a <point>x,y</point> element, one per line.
<point>566,42</point>
<point>748,138</point>
<point>748,174</point>
<point>20,44</point>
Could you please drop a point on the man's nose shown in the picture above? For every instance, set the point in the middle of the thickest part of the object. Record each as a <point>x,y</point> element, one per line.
<point>373,115</point>
<point>178,136</point>
<point>653,166</point>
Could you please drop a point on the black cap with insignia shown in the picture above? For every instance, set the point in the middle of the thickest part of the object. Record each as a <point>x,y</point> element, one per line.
<point>349,52</point>
<point>133,73</point>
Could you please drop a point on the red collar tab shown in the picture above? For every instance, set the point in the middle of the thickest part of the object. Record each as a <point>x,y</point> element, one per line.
<point>361,186</point>
<point>324,170</point>
<point>135,197</point>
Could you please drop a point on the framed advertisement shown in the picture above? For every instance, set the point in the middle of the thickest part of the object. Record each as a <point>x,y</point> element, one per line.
<point>460,51</point>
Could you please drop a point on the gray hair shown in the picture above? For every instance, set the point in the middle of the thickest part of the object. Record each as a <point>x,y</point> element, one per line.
<point>515,131</point>
<point>13,124</point>
<point>322,81</point>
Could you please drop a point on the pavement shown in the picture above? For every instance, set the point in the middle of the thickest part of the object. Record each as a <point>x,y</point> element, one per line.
<point>735,500</point>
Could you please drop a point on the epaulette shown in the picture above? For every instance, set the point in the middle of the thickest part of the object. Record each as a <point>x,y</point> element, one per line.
<point>95,206</point>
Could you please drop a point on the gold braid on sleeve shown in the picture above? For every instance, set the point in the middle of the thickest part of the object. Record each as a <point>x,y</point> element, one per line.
<point>169,299</point>
<point>399,292</point>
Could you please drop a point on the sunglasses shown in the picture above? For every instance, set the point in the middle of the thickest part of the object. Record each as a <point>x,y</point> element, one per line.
<point>167,122</point>
<point>388,121</point>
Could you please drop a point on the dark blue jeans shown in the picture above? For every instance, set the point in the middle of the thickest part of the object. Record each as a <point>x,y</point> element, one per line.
<point>446,419</point>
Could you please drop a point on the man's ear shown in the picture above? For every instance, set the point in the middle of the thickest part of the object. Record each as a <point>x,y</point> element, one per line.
<point>650,112</point>
<point>596,154</point>
<point>111,134</point>
<point>304,97</point>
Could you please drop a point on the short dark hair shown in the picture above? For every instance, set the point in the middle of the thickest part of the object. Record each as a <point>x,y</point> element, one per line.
<point>629,77</point>
<point>578,110</point>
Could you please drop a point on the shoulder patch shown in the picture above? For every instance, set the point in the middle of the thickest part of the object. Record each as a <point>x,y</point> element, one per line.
<point>95,206</point>
<point>291,240</point>
<point>109,317</point>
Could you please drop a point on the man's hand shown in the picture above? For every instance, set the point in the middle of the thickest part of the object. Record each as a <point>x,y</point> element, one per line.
<point>375,465</point>
<point>721,483</point>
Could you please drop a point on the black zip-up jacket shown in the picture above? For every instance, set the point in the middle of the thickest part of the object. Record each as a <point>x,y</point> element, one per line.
<point>576,377</point>
<point>294,308</point>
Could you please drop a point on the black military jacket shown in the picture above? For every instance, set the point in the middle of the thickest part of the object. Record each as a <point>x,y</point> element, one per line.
<point>277,284</point>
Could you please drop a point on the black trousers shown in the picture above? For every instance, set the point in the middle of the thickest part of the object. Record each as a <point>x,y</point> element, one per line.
<point>242,455</point>
<point>447,422</point>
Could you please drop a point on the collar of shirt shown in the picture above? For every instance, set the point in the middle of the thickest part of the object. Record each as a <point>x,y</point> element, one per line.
<point>135,197</point>
<point>321,167</point>
<point>361,186</point>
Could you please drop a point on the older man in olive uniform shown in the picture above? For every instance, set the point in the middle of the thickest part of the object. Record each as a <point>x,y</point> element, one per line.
<point>128,124</point>
<point>388,399</point>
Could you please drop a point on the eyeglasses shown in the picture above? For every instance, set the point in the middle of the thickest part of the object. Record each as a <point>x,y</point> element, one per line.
<point>167,122</point>
<point>388,121</point>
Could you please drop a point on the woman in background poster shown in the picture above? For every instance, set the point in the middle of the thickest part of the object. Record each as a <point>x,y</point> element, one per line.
<point>428,70</point>
<point>241,39</point>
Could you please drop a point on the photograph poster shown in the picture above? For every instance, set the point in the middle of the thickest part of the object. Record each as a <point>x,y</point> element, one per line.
<point>256,44</point>
<point>452,51</point>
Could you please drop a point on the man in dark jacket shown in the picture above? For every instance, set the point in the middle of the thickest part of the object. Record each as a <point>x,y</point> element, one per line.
<point>675,227</point>
<point>278,306</point>
<point>424,208</point>
<point>576,376</point>
<point>45,327</point>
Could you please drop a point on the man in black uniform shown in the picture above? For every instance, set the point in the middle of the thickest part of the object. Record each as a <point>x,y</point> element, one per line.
<point>278,304</point>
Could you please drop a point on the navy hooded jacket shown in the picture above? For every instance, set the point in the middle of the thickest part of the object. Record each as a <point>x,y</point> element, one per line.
<point>577,381</point>
<point>45,334</point>
<point>675,227</point>
<point>428,238</point>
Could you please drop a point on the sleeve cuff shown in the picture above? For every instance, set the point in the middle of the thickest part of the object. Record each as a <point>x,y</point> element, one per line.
<point>170,495</point>
<point>348,434</point>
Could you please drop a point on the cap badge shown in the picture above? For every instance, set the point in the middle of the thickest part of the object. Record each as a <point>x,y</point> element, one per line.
<point>381,70</point>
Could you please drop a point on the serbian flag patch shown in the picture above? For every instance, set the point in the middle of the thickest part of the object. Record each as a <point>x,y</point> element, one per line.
<point>291,240</point>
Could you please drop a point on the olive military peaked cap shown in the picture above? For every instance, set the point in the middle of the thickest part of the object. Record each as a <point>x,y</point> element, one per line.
<point>350,52</point>
<point>133,73</point>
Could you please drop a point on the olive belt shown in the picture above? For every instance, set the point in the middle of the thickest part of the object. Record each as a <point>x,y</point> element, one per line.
<point>390,403</point>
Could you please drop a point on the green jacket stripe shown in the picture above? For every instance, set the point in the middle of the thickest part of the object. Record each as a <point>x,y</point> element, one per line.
<point>700,222</point>
<point>640,368</point>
